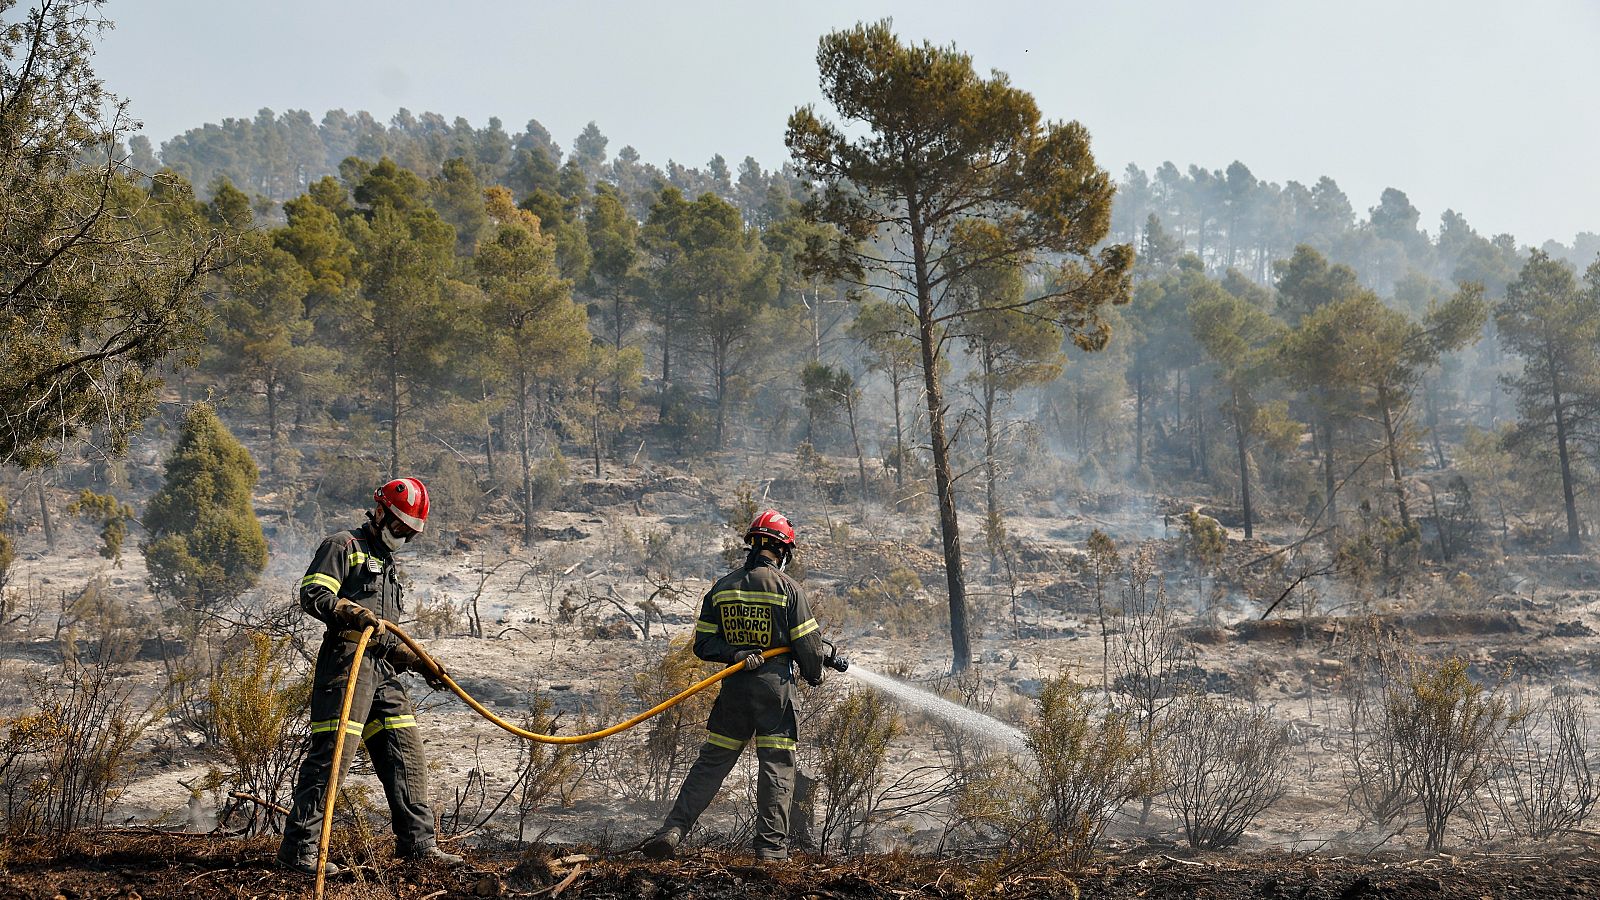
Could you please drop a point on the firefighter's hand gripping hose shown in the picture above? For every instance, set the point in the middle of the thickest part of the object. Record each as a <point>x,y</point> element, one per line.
<point>430,663</point>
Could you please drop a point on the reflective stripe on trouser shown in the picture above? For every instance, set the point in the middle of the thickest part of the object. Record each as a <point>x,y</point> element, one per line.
<point>381,716</point>
<point>758,706</point>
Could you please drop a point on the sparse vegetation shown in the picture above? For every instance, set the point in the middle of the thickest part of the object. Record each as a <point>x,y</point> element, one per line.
<point>1225,765</point>
<point>940,314</point>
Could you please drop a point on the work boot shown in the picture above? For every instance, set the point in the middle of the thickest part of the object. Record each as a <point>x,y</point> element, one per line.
<point>307,865</point>
<point>433,856</point>
<point>663,844</point>
<point>772,856</point>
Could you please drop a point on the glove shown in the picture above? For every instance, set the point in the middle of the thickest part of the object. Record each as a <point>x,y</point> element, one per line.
<point>354,615</point>
<point>752,659</point>
<point>403,659</point>
<point>815,682</point>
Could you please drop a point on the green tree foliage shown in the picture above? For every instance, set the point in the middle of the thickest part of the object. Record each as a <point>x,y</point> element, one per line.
<point>404,251</point>
<point>315,236</point>
<point>1359,356</point>
<point>1306,283</point>
<point>538,335</point>
<point>111,514</point>
<point>205,542</point>
<point>613,236</point>
<point>939,144</point>
<point>712,285</point>
<point>100,278</point>
<point>1238,338</point>
<point>734,282</point>
<point>1162,343</point>
<point>262,339</point>
<point>1553,325</point>
<point>1012,349</point>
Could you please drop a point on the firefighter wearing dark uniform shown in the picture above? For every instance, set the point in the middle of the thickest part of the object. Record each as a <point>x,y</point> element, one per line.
<point>753,608</point>
<point>353,582</point>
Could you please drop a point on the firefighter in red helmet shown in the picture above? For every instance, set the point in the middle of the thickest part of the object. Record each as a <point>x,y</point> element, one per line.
<point>756,607</point>
<point>352,583</point>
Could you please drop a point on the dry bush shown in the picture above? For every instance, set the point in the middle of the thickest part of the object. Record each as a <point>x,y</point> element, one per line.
<point>1422,736</point>
<point>545,771</point>
<point>438,617</point>
<point>1545,784</point>
<point>69,761</point>
<point>1086,764</point>
<point>1378,776</point>
<point>258,711</point>
<point>853,741</point>
<point>1154,662</point>
<point>1224,766</point>
<point>1447,728</point>
<point>894,600</point>
<point>672,739</point>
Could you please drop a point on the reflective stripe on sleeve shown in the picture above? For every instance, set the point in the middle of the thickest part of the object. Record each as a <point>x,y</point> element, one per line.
<point>701,626</point>
<point>773,742</point>
<point>723,741</point>
<point>318,578</point>
<point>803,629</point>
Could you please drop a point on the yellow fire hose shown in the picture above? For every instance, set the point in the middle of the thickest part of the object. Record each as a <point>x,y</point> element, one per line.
<point>350,692</point>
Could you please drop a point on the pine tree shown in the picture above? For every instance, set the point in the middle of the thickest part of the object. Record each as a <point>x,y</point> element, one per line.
<point>404,253</point>
<point>538,335</point>
<point>206,544</point>
<point>1239,339</point>
<point>939,145</point>
<point>1554,326</point>
<point>1011,349</point>
<point>100,278</point>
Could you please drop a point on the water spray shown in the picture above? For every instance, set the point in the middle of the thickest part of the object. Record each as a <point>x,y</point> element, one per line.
<point>969,720</point>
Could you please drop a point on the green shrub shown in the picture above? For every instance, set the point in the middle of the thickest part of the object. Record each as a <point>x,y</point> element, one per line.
<point>113,516</point>
<point>1052,809</point>
<point>205,543</point>
<point>258,706</point>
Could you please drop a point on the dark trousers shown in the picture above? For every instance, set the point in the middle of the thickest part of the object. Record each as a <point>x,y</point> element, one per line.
<point>758,705</point>
<point>382,718</point>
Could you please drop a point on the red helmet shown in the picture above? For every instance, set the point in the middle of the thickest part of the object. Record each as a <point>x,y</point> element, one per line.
<point>771,524</point>
<point>407,500</point>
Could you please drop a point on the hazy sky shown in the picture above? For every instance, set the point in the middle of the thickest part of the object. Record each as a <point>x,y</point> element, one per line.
<point>1486,106</point>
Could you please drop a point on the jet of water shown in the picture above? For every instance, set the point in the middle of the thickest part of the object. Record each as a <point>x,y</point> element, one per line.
<point>969,720</point>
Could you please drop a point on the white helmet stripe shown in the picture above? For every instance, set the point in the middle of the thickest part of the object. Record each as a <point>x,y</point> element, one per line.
<point>415,523</point>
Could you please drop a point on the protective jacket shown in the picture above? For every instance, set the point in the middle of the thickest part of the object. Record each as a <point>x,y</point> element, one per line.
<point>754,607</point>
<point>757,607</point>
<point>356,565</point>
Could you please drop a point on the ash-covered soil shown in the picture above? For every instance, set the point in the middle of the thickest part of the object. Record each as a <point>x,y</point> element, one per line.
<point>562,622</point>
<point>191,867</point>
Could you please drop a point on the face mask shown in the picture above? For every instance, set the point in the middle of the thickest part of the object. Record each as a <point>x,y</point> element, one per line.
<point>390,539</point>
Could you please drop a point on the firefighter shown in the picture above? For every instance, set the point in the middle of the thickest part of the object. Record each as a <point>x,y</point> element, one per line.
<point>753,608</point>
<point>352,583</point>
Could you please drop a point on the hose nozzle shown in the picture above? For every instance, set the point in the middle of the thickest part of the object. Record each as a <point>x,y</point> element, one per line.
<point>834,660</point>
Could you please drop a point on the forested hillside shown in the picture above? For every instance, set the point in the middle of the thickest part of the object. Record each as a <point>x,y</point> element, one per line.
<point>1165,409</point>
<point>693,352</point>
